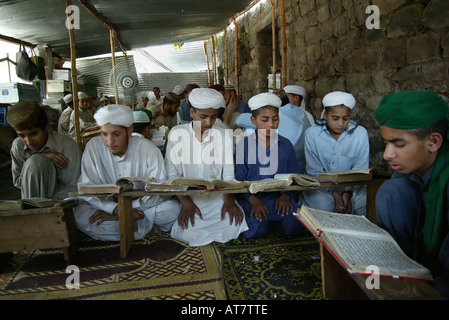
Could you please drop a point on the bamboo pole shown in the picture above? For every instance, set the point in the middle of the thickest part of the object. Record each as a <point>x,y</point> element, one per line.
<point>9,69</point>
<point>112,40</point>
<point>227,66</point>
<point>284,43</point>
<point>207,61</point>
<point>215,60</point>
<point>74,80</point>
<point>273,31</point>
<point>236,58</point>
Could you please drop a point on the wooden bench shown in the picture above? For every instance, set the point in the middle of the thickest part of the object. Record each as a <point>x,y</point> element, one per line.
<point>42,228</point>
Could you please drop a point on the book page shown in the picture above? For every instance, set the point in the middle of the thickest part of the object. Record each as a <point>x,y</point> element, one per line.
<point>347,223</point>
<point>358,252</point>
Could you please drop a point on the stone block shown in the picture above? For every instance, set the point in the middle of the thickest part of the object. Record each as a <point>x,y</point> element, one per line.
<point>404,21</point>
<point>387,6</point>
<point>436,14</point>
<point>323,13</point>
<point>422,49</point>
<point>312,35</point>
<point>335,8</point>
<point>341,25</point>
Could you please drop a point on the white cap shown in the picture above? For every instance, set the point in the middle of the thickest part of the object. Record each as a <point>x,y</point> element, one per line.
<point>141,117</point>
<point>115,114</point>
<point>300,91</point>
<point>82,95</point>
<point>68,98</point>
<point>206,98</point>
<point>264,99</point>
<point>178,90</point>
<point>337,98</point>
<point>104,98</point>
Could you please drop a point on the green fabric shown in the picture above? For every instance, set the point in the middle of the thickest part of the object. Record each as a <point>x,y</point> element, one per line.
<point>414,110</point>
<point>411,110</point>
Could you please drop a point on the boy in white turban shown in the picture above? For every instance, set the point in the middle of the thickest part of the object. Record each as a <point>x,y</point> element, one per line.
<point>115,154</point>
<point>86,119</point>
<point>259,156</point>
<point>201,150</point>
<point>337,143</point>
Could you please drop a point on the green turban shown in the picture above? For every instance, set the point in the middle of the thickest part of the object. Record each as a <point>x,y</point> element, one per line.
<point>411,110</point>
<point>415,110</point>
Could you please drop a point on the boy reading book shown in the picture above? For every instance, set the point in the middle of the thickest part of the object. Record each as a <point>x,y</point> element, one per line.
<point>45,163</point>
<point>337,143</point>
<point>200,150</point>
<point>113,155</point>
<point>413,206</point>
<point>261,155</point>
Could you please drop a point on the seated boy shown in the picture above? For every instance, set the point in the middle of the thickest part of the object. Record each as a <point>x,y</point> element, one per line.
<point>337,143</point>
<point>413,206</point>
<point>261,155</point>
<point>199,150</point>
<point>117,154</point>
<point>45,163</point>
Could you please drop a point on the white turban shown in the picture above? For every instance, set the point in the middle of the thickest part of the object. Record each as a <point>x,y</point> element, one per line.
<point>68,98</point>
<point>115,114</point>
<point>264,99</point>
<point>178,90</point>
<point>300,91</point>
<point>337,98</point>
<point>206,98</point>
<point>82,95</point>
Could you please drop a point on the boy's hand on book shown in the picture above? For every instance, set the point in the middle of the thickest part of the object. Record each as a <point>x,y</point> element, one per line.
<point>283,205</point>
<point>258,208</point>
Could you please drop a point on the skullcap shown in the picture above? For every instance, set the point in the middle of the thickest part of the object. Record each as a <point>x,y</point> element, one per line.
<point>264,99</point>
<point>104,98</point>
<point>172,97</point>
<point>218,87</point>
<point>300,91</point>
<point>229,87</point>
<point>337,98</point>
<point>206,98</point>
<point>140,117</point>
<point>178,90</point>
<point>411,110</point>
<point>82,95</point>
<point>115,114</point>
<point>190,87</point>
<point>68,98</point>
<point>24,115</point>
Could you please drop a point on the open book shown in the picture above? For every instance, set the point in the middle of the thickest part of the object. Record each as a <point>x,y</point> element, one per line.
<point>121,185</point>
<point>358,243</point>
<point>351,175</point>
<point>283,180</point>
<point>28,203</point>
<point>179,182</point>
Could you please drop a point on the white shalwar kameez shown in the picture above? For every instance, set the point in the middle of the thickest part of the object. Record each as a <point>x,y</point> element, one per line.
<point>211,159</point>
<point>100,166</point>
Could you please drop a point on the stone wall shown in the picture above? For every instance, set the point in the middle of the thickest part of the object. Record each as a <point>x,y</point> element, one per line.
<point>329,47</point>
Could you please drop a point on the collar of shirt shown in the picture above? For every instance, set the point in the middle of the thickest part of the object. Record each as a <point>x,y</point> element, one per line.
<point>50,145</point>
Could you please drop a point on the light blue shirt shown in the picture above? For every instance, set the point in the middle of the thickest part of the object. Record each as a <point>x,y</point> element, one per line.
<point>293,123</point>
<point>325,154</point>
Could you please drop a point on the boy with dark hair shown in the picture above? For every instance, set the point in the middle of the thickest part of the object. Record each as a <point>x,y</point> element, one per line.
<point>413,206</point>
<point>259,156</point>
<point>45,163</point>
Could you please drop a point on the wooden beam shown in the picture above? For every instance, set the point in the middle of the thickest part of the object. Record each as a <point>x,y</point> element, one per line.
<point>74,80</point>
<point>207,61</point>
<point>215,60</point>
<point>284,43</point>
<point>227,56</point>
<point>236,58</point>
<point>112,40</point>
<point>273,31</point>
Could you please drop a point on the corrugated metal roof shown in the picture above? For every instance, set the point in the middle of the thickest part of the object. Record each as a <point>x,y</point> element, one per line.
<point>138,23</point>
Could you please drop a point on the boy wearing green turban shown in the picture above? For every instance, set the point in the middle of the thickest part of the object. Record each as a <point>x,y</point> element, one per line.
<point>413,206</point>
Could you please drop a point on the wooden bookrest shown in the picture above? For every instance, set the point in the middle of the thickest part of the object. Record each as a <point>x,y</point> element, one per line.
<point>43,228</point>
